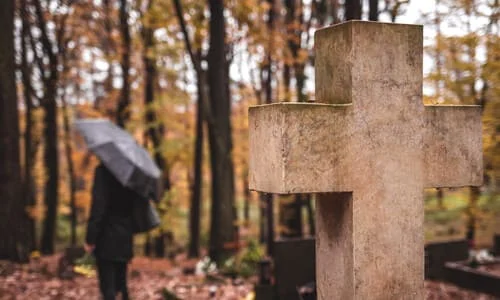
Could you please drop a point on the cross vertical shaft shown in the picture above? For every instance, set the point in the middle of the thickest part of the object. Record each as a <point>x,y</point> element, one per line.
<point>377,68</point>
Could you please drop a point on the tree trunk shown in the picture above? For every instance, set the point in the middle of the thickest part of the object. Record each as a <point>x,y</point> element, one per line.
<point>29,147</point>
<point>474,195</point>
<point>156,130</point>
<point>246,198</point>
<point>438,54</point>
<point>299,65</point>
<point>440,198</point>
<point>335,11</point>
<point>14,245</point>
<point>326,12</point>
<point>109,46</point>
<point>290,216</point>
<point>52,165</point>
<point>222,223</point>
<point>301,80</point>
<point>353,9</point>
<point>51,196</point>
<point>268,198</point>
<point>147,246</point>
<point>262,218</point>
<point>159,244</point>
<point>268,66</point>
<point>201,113</point>
<point>373,14</point>
<point>310,214</point>
<point>69,159</point>
<point>290,212</point>
<point>68,150</point>
<point>289,53</point>
<point>123,109</point>
<point>195,212</point>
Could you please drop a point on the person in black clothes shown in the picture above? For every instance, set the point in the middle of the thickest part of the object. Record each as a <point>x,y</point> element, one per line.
<point>110,232</point>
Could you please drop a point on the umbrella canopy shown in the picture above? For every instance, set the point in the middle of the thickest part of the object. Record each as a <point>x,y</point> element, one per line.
<point>130,163</point>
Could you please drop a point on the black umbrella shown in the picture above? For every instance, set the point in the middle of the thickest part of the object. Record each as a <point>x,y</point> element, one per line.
<point>122,155</point>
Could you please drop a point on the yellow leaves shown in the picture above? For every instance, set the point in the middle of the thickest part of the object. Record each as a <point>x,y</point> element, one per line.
<point>85,270</point>
<point>250,296</point>
<point>286,199</point>
<point>457,69</point>
<point>155,232</point>
<point>87,110</point>
<point>247,12</point>
<point>303,56</point>
<point>64,210</point>
<point>35,255</point>
<point>265,6</point>
<point>83,199</point>
<point>431,100</point>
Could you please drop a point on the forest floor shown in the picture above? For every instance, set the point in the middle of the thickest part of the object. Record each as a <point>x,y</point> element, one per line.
<point>148,278</point>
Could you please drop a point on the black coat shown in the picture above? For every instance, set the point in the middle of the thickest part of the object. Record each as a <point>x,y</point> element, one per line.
<point>110,226</point>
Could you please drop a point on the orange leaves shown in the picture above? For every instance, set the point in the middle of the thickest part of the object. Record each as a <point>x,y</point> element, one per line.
<point>83,199</point>
<point>36,212</point>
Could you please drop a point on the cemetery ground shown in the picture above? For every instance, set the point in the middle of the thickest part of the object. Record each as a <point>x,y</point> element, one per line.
<point>150,279</point>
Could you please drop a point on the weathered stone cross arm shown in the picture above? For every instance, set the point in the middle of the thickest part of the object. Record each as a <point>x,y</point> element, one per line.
<point>295,148</point>
<point>453,153</point>
<point>313,148</point>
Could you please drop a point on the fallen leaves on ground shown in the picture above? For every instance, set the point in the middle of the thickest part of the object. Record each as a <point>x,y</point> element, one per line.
<point>148,279</point>
<point>493,269</point>
<point>443,291</point>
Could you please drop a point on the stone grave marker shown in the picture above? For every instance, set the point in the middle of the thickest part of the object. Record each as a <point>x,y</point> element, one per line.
<point>293,266</point>
<point>496,245</point>
<point>437,254</point>
<point>368,147</point>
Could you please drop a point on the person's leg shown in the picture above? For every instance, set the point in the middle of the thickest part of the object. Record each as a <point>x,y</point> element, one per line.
<point>107,284</point>
<point>121,279</point>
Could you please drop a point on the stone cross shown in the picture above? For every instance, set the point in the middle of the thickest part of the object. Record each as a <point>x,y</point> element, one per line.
<point>368,148</point>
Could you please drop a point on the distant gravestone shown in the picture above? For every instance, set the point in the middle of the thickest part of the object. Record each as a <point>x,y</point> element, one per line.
<point>437,254</point>
<point>293,266</point>
<point>496,245</point>
<point>368,148</point>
